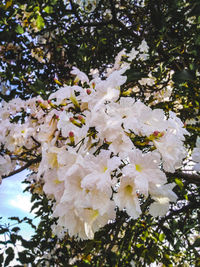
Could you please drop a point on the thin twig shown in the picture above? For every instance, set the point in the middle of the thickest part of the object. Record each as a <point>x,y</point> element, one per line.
<point>22,168</point>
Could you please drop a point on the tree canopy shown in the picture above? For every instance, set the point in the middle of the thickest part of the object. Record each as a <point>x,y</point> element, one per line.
<point>153,49</point>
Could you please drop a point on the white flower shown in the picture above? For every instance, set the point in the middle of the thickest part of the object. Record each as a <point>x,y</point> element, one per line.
<point>80,76</point>
<point>99,169</point>
<point>126,197</point>
<point>6,165</point>
<point>145,120</point>
<point>132,55</point>
<point>144,169</point>
<point>73,191</point>
<point>171,150</point>
<point>65,92</point>
<point>48,129</point>
<point>143,56</point>
<point>147,81</point>
<point>116,79</point>
<point>69,162</point>
<point>15,105</point>
<point>107,126</point>
<point>122,111</point>
<point>143,47</point>
<point>94,73</point>
<point>118,59</point>
<point>69,221</point>
<point>68,124</point>
<point>22,135</point>
<point>65,125</point>
<point>81,222</point>
<point>53,187</point>
<point>176,126</point>
<point>163,195</point>
<point>121,144</point>
<point>104,91</point>
<point>160,207</point>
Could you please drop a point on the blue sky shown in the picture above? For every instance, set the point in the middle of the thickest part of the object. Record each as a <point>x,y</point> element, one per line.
<point>14,202</point>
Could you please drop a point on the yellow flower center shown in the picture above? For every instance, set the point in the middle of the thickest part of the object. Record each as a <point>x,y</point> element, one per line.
<point>56,181</point>
<point>105,169</point>
<point>128,189</point>
<point>138,167</point>
<point>52,160</point>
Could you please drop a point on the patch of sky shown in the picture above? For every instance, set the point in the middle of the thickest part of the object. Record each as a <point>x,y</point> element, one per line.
<point>16,203</point>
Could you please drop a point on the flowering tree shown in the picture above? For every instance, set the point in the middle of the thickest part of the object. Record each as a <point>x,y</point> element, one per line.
<point>100,102</point>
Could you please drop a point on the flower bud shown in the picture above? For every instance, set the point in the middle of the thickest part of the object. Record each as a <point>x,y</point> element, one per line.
<point>88,91</point>
<point>155,133</point>
<point>81,119</point>
<point>71,138</point>
<point>71,134</point>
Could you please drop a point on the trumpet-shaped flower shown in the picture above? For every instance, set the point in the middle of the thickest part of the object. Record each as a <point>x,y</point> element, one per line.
<point>172,151</point>
<point>144,169</point>
<point>162,195</point>
<point>80,76</point>
<point>126,197</point>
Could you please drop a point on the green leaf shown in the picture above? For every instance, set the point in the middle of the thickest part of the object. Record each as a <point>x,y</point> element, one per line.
<point>197,243</point>
<point>4,230</point>
<point>53,2</point>
<point>168,233</point>
<point>1,258</point>
<point>134,75</point>
<point>48,9</point>
<point>40,22</point>
<point>9,250</point>
<point>10,257</point>
<point>15,229</point>
<point>24,257</point>
<point>19,29</point>
<point>195,10</point>
<point>161,237</point>
<point>182,76</point>
<point>8,4</point>
<point>197,41</point>
<point>179,183</point>
<point>13,238</point>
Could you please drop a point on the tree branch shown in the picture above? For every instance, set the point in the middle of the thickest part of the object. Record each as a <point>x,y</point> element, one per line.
<point>192,178</point>
<point>22,168</point>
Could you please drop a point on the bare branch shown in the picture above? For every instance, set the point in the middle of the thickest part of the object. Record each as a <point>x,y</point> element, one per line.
<point>36,141</point>
<point>22,168</point>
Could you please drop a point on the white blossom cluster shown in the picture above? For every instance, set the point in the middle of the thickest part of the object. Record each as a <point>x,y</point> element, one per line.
<point>98,150</point>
